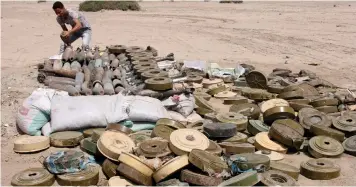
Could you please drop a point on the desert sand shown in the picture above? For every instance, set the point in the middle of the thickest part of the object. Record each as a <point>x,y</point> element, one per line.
<point>264,34</point>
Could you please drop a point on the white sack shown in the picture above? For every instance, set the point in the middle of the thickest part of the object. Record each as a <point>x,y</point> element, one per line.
<point>192,118</point>
<point>177,117</point>
<point>184,104</point>
<point>35,110</point>
<point>81,112</point>
<point>142,108</point>
<point>46,129</point>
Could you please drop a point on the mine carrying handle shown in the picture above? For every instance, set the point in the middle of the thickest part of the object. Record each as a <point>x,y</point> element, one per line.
<point>41,160</point>
<point>178,92</point>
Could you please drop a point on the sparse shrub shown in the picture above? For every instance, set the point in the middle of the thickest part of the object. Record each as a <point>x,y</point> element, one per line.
<point>231,1</point>
<point>94,6</point>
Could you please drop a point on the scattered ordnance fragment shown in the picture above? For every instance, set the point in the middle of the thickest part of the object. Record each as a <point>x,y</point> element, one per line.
<point>115,63</point>
<point>98,88</point>
<point>79,79</point>
<point>116,74</point>
<point>98,63</point>
<point>80,55</point>
<point>249,178</point>
<point>68,54</point>
<point>75,65</point>
<point>111,57</point>
<point>48,64</point>
<point>61,72</point>
<point>169,57</point>
<point>153,50</point>
<point>98,74</point>
<point>96,53</point>
<point>199,179</point>
<point>57,65</point>
<point>125,84</point>
<point>72,91</point>
<point>105,56</point>
<point>89,56</point>
<point>59,80</point>
<point>66,66</point>
<point>91,65</point>
<point>109,168</point>
<point>86,90</point>
<point>286,168</point>
<point>107,82</point>
<point>165,94</point>
<point>118,87</point>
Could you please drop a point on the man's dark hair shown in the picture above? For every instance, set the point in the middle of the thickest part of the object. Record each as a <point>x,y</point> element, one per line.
<point>58,4</point>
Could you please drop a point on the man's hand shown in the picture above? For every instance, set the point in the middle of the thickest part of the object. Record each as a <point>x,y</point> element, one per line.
<point>65,34</point>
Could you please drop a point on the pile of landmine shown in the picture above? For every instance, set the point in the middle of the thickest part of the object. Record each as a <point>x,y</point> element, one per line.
<point>269,117</point>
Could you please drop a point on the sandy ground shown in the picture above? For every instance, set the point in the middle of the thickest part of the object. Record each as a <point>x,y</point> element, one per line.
<point>264,34</point>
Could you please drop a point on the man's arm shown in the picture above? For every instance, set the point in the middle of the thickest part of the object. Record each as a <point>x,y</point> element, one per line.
<point>64,27</point>
<point>77,26</point>
<point>62,24</point>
